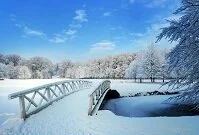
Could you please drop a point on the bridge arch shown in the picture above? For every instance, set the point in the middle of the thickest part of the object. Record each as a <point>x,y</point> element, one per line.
<point>97,97</point>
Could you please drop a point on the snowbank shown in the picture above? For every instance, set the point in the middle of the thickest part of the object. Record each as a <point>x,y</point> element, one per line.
<point>69,117</point>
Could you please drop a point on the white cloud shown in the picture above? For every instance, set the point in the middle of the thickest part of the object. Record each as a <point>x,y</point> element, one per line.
<point>27,30</point>
<point>30,32</point>
<point>81,16</point>
<point>106,13</point>
<point>102,46</point>
<point>63,36</point>
<point>75,25</point>
<point>58,40</point>
<point>70,32</point>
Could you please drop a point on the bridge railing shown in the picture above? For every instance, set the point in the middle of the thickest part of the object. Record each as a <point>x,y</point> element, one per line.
<point>97,97</point>
<point>35,99</point>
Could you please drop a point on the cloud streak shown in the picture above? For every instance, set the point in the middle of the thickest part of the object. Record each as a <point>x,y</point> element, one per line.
<point>69,33</point>
<point>30,32</point>
<point>81,16</point>
<point>102,46</point>
<point>61,37</point>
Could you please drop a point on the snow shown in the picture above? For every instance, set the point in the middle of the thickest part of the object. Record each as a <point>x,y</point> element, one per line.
<point>9,86</point>
<point>126,87</point>
<point>69,116</point>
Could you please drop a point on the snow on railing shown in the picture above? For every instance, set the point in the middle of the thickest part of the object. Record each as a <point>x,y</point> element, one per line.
<point>35,99</point>
<point>97,97</point>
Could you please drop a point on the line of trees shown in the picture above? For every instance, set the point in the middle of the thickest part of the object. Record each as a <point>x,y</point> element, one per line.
<point>16,67</point>
<point>150,63</point>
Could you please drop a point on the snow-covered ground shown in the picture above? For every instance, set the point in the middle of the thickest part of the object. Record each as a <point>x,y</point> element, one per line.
<point>69,117</point>
<point>126,87</point>
<point>10,108</point>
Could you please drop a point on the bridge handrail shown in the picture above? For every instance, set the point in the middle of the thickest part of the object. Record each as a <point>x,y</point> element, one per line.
<point>47,93</point>
<point>97,96</point>
<point>27,91</point>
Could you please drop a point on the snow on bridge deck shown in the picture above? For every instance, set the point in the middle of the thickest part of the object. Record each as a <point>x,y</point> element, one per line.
<point>66,116</point>
<point>69,116</point>
<point>62,117</point>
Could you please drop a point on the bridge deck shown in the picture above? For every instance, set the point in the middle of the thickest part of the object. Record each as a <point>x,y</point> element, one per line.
<point>68,114</point>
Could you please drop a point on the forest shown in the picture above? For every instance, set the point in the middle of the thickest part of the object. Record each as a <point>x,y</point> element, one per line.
<point>149,63</point>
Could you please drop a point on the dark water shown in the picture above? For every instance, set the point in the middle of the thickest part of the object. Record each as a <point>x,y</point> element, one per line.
<point>174,111</point>
<point>147,106</point>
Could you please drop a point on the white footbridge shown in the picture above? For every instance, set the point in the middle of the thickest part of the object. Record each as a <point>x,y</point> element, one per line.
<point>37,99</point>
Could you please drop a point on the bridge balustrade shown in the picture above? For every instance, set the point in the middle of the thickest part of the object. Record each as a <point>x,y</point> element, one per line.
<point>97,96</point>
<point>35,99</point>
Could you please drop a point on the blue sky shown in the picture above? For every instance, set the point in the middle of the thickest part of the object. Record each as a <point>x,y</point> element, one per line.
<point>81,29</point>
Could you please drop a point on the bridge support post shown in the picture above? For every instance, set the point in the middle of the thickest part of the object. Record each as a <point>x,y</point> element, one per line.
<point>90,106</point>
<point>22,107</point>
<point>48,95</point>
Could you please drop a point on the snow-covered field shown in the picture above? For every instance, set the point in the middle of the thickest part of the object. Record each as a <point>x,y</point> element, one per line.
<point>126,87</point>
<point>10,108</point>
<point>69,115</point>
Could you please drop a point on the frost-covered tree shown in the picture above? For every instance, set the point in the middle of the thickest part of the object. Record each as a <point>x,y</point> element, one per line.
<point>3,71</point>
<point>63,68</point>
<point>12,72</point>
<point>185,55</point>
<point>40,67</point>
<point>135,67</point>
<point>15,59</point>
<point>163,63</point>
<point>109,67</point>
<point>2,59</point>
<point>119,64</point>
<point>151,62</point>
<point>148,63</point>
<point>106,67</point>
<point>23,72</point>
